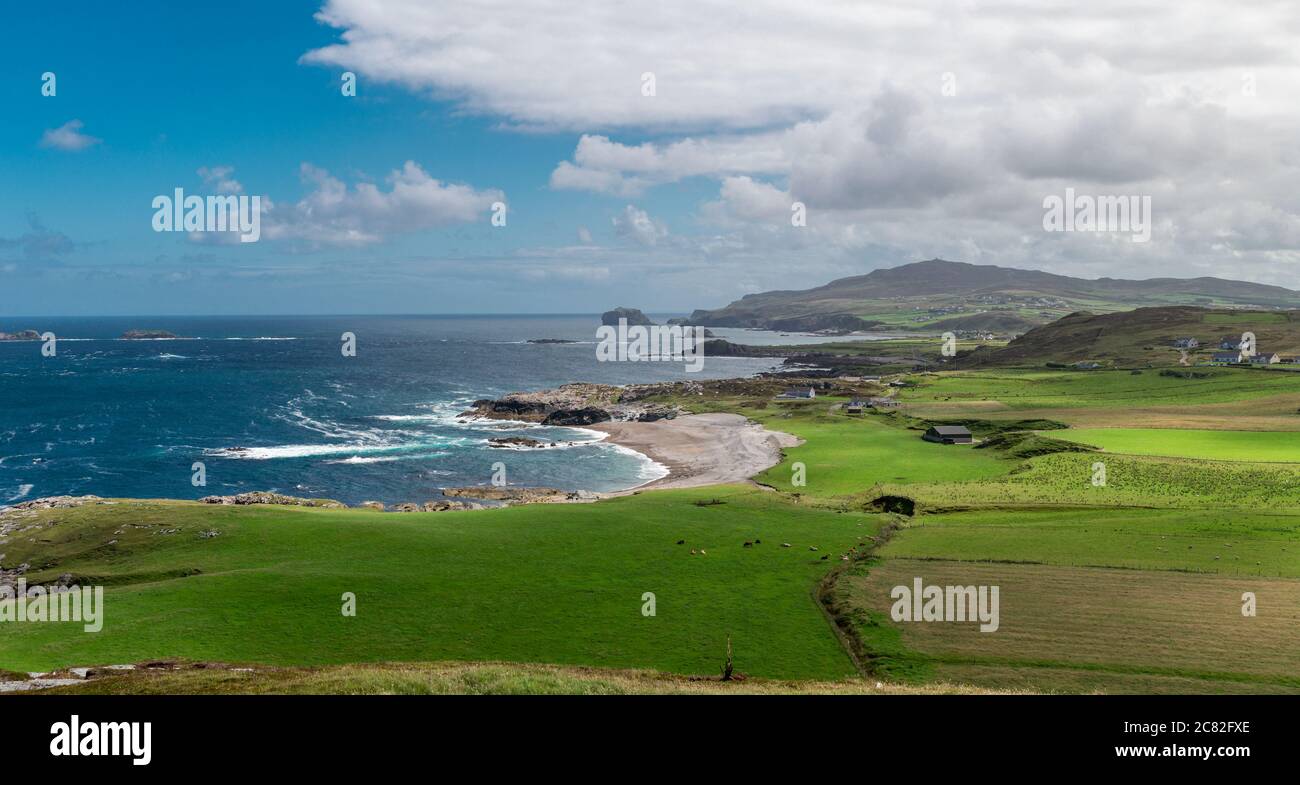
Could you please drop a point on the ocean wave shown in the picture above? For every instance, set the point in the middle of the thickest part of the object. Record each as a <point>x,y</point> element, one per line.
<point>23,490</point>
<point>314,450</point>
<point>364,459</point>
<point>649,470</point>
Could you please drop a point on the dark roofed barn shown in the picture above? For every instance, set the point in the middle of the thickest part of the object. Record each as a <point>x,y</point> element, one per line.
<point>948,434</point>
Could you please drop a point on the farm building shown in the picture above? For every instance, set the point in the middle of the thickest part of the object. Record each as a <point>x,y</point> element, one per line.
<point>1231,342</point>
<point>1265,358</point>
<point>948,434</point>
<point>1187,343</point>
<point>1087,366</point>
<point>799,392</point>
<point>1227,357</point>
<point>882,403</point>
<point>854,407</point>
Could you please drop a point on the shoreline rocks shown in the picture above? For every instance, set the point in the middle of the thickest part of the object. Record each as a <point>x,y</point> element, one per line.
<point>268,497</point>
<point>21,335</point>
<point>517,495</point>
<point>574,405</point>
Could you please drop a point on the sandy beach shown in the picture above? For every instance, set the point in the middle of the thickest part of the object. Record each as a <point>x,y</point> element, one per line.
<point>702,449</point>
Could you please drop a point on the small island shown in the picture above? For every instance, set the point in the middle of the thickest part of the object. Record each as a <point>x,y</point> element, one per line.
<point>633,315</point>
<point>21,335</point>
<point>147,335</point>
<point>550,340</point>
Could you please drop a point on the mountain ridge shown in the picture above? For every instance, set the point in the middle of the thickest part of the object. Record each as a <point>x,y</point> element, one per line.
<point>924,295</point>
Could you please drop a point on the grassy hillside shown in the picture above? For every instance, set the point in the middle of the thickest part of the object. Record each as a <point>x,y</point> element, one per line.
<point>1142,337</point>
<point>938,295</point>
<point>550,583</point>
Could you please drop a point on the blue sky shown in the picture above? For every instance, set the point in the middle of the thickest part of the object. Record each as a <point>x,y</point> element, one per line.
<point>667,202</point>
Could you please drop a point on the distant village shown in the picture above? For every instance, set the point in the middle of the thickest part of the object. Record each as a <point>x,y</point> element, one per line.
<point>1231,351</point>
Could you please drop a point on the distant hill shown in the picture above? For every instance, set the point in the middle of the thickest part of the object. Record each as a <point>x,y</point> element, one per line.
<point>1141,337</point>
<point>939,295</point>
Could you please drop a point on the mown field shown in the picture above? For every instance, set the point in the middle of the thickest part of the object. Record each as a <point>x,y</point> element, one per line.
<point>1073,628</point>
<point>540,583</point>
<point>1033,390</point>
<point>1255,446</point>
<point>1227,542</point>
<point>1066,479</point>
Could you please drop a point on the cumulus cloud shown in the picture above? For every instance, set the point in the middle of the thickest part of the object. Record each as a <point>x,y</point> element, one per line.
<point>219,178</point>
<point>68,137</point>
<point>637,225</point>
<point>335,214</point>
<point>909,130</point>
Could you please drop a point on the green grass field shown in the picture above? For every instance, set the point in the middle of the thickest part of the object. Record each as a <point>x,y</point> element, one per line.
<point>540,583</point>
<point>1066,479</point>
<point>846,455</point>
<point>1029,390</point>
<point>1255,446</point>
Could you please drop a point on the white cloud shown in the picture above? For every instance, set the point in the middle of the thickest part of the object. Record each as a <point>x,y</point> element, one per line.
<point>842,104</point>
<point>636,224</point>
<point>334,214</point>
<point>68,137</point>
<point>219,178</point>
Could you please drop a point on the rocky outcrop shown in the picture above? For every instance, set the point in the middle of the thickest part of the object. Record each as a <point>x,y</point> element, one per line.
<point>146,335</point>
<point>633,315</point>
<point>441,505</point>
<point>515,441</point>
<point>21,335</point>
<point>267,497</point>
<point>511,496</point>
<point>550,340</point>
<point>571,405</point>
<point>56,503</point>
<point>589,415</point>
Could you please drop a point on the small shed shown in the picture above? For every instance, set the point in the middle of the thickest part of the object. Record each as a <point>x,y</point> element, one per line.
<point>948,434</point>
<point>799,392</point>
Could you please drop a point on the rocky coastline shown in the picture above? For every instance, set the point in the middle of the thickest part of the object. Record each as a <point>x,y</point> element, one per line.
<point>575,405</point>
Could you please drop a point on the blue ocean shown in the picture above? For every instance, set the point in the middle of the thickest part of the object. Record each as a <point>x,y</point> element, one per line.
<point>129,418</point>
